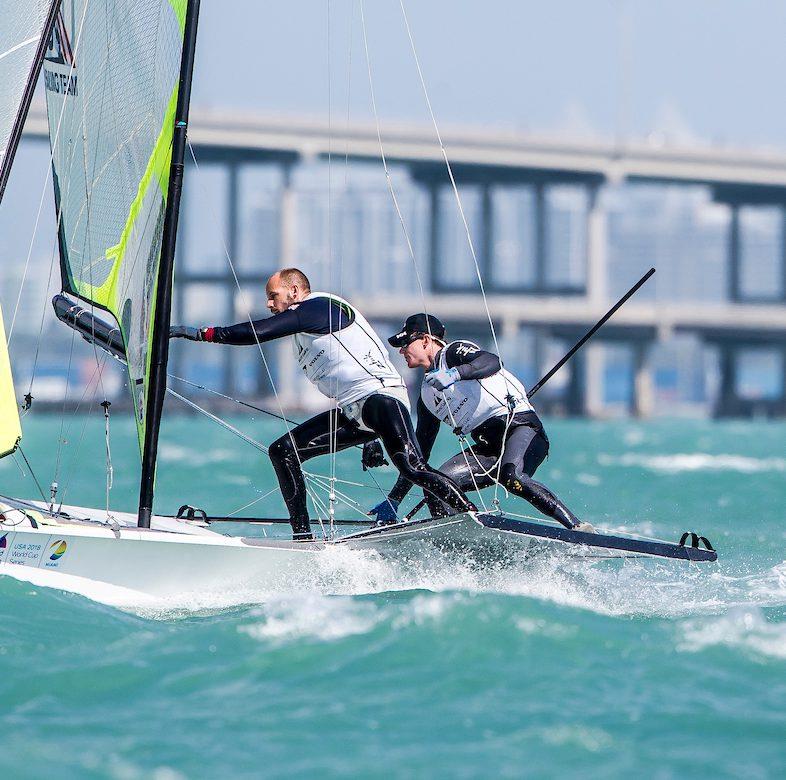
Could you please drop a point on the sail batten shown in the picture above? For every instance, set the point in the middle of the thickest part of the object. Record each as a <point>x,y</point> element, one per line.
<point>111,75</point>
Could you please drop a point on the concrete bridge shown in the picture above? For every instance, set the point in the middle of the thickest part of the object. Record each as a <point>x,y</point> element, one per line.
<point>736,178</point>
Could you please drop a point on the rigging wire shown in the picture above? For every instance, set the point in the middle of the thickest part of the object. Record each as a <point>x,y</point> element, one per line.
<point>334,411</point>
<point>321,482</point>
<point>315,499</point>
<point>75,463</point>
<point>406,233</point>
<point>388,178</point>
<point>464,221</point>
<point>46,182</point>
<point>401,219</point>
<point>32,473</point>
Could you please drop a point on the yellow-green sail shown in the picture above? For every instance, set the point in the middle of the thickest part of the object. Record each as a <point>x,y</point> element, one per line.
<point>10,428</point>
<point>111,77</point>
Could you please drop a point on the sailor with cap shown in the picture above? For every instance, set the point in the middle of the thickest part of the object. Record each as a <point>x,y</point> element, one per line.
<point>468,389</point>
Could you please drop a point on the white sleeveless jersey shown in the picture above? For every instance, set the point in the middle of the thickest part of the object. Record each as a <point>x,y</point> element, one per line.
<point>468,403</point>
<point>350,363</point>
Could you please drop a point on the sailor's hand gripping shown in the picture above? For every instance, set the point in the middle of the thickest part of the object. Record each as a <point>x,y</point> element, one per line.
<point>373,455</point>
<point>385,511</point>
<point>442,378</point>
<point>186,332</point>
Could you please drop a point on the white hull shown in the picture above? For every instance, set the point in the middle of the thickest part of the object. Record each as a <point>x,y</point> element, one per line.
<point>177,556</point>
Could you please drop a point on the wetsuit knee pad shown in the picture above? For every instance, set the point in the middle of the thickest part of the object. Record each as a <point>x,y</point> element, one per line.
<point>281,449</point>
<point>511,481</point>
<point>409,463</point>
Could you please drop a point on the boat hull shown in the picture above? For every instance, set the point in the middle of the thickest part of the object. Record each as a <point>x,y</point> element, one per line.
<point>177,557</point>
<point>156,563</point>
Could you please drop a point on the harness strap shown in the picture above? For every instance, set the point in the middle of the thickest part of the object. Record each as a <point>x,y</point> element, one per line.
<point>188,512</point>
<point>695,540</point>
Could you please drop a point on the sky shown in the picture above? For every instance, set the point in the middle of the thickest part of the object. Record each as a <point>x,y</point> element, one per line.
<point>704,71</point>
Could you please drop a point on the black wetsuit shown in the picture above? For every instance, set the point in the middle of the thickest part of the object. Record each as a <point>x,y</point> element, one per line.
<point>386,416</point>
<point>522,443</point>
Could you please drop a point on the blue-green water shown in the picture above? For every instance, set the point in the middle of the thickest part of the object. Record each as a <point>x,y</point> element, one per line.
<point>558,666</point>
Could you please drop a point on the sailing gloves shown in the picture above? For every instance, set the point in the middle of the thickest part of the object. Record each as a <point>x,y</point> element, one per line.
<point>385,511</point>
<point>373,455</point>
<point>442,378</point>
<point>192,334</point>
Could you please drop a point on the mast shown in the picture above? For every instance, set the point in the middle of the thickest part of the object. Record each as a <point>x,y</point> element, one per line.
<point>159,354</point>
<point>27,96</point>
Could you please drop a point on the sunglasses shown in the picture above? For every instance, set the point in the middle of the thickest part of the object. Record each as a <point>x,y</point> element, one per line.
<point>416,337</point>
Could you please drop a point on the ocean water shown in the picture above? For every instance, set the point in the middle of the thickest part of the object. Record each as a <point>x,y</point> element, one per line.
<point>556,666</point>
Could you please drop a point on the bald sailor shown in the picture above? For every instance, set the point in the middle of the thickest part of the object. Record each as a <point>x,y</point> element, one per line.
<point>342,356</point>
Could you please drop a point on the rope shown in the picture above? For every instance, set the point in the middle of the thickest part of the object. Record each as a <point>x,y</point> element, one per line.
<point>46,182</point>
<point>32,473</point>
<point>110,473</point>
<point>320,480</point>
<point>314,499</point>
<point>458,199</point>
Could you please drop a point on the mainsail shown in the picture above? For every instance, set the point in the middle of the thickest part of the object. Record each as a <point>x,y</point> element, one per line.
<point>24,25</point>
<point>111,76</point>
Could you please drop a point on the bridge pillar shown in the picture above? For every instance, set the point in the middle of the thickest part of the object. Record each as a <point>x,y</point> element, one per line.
<point>594,376</point>
<point>284,370</point>
<point>288,219</point>
<point>783,260</point>
<point>597,247</point>
<point>733,254</point>
<point>726,404</point>
<point>486,254</point>
<point>782,405</point>
<point>541,238</point>
<point>508,336</point>
<point>575,392</point>
<point>433,235</point>
<point>230,288</point>
<point>641,396</point>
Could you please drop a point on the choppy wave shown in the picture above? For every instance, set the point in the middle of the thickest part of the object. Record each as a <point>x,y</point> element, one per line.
<point>743,628</point>
<point>697,461</point>
<point>169,452</point>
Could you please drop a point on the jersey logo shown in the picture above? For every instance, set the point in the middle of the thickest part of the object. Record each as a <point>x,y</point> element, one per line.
<point>373,361</point>
<point>464,349</point>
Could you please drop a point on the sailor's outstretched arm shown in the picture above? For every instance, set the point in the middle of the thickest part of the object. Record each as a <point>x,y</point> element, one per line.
<point>248,333</point>
<point>319,315</point>
<point>426,433</point>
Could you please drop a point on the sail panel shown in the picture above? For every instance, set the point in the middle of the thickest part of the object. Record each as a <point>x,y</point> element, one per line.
<point>111,76</point>
<point>21,28</point>
<point>10,426</point>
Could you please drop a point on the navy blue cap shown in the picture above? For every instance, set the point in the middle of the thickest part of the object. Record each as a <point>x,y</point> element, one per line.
<point>418,325</point>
